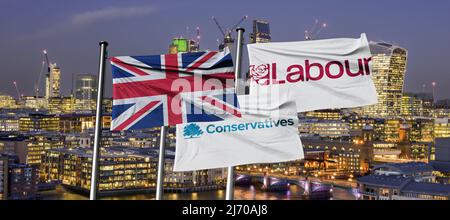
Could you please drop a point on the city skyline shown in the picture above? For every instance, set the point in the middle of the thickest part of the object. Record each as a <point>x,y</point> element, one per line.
<point>128,26</point>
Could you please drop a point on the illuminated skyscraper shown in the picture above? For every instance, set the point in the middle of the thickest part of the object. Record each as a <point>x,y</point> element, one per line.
<point>85,92</point>
<point>388,73</point>
<point>53,82</point>
<point>85,86</point>
<point>261,32</point>
<point>411,106</point>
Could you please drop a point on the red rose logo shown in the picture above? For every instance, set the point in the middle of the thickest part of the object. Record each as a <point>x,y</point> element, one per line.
<point>260,73</point>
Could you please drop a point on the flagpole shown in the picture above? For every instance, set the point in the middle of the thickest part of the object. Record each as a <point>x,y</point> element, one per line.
<point>229,195</point>
<point>162,152</point>
<point>98,121</point>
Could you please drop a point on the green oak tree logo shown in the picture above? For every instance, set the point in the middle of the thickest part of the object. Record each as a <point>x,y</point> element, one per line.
<point>192,131</point>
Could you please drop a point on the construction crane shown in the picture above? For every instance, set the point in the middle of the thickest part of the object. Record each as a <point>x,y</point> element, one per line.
<point>195,39</point>
<point>46,60</point>
<point>227,38</point>
<point>47,76</point>
<point>38,83</point>
<point>19,96</point>
<point>219,26</point>
<point>315,30</point>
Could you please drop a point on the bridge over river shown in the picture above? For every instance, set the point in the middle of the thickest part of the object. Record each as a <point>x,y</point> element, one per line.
<point>275,182</point>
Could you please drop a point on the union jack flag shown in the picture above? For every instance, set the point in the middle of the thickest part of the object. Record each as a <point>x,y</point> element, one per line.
<point>170,89</point>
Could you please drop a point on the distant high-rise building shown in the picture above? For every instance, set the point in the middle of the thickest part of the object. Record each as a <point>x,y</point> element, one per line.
<point>85,86</point>
<point>53,82</point>
<point>388,73</point>
<point>85,92</point>
<point>261,32</point>
<point>180,45</point>
<point>416,104</point>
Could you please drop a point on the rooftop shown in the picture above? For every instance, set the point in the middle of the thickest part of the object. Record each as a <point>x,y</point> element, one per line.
<point>383,180</point>
<point>110,152</point>
<point>407,168</point>
<point>428,188</point>
<point>406,185</point>
<point>443,166</point>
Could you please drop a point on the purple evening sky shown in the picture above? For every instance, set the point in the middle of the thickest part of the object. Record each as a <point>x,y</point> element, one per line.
<point>71,30</point>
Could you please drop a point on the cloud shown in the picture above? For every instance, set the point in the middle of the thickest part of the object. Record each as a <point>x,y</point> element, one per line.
<point>108,14</point>
<point>88,18</point>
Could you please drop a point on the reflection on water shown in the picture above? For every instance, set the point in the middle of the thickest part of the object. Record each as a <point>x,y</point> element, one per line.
<point>241,193</point>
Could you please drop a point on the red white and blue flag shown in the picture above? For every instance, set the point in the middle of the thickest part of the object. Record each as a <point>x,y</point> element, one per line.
<point>170,89</point>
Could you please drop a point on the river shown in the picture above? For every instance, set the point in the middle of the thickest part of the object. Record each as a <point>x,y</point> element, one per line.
<point>241,193</point>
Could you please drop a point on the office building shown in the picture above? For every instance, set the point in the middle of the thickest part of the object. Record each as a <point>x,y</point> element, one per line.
<point>440,113</point>
<point>79,122</point>
<point>387,129</point>
<point>53,82</point>
<point>33,102</point>
<point>7,101</point>
<point>38,122</point>
<point>85,86</point>
<point>107,105</point>
<point>330,129</point>
<point>442,128</point>
<point>416,105</point>
<point>36,146</point>
<point>388,73</point>
<point>421,130</point>
<point>341,156</point>
<point>326,114</point>
<point>120,169</point>
<point>85,93</point>
<point>60,105</point>
<point>198,180</point>
<point>261,32</point>
<point>179,45</point>
<point>411,106</point>
<point>22,182</point>
<point>9,122</point>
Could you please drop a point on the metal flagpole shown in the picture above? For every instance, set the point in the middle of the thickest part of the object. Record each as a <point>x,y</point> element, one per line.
<point>237,71</point>
<point>162,152</point>
<point>98,121</point>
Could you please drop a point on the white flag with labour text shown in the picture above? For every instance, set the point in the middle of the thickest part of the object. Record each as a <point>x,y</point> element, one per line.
<point>266,132</point>
<point>321,74</point>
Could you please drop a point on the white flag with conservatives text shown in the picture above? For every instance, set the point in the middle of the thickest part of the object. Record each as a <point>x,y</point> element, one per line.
<point>266,132</point>
<point>321,74</point>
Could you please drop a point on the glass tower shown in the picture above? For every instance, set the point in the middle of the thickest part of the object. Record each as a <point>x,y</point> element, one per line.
<point>85,86</point>
<point>261,32</point>
<point>53,82</point>
<point>388,74</point>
